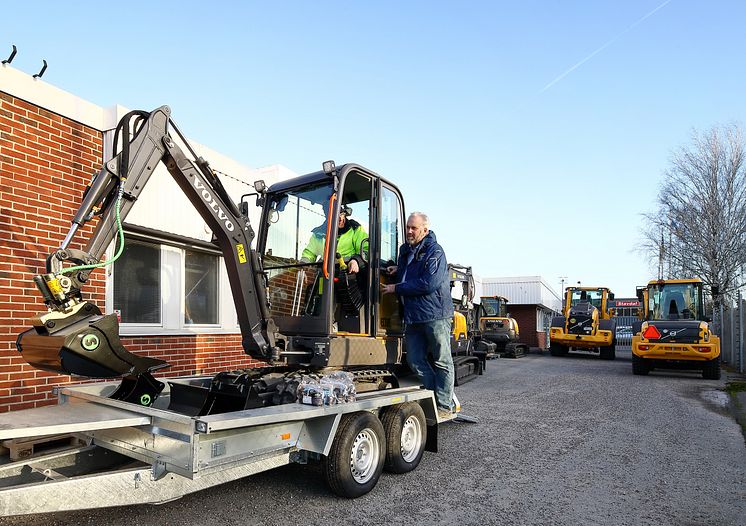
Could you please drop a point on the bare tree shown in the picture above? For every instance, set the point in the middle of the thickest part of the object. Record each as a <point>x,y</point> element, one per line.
<point>699,228</point>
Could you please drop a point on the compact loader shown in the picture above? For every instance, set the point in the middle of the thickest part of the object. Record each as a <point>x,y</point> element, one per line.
<point>674,332</point>
<point>586,323</point>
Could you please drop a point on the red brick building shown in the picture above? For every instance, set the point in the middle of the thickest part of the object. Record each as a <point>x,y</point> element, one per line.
<point>51,143</point>
<point>531,301</point>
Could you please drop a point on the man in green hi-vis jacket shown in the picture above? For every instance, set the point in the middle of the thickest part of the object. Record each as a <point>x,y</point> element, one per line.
<point>350,236</point>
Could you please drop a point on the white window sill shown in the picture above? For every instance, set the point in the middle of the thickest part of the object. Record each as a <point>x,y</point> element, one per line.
<point>159,331</point>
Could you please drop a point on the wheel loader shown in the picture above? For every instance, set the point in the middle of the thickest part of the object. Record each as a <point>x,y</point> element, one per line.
<point>586,323</point>
<point>674,332</point>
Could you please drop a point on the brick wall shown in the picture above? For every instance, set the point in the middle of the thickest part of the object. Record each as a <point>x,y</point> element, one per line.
<point>525,315</point>
<point>45,162</point>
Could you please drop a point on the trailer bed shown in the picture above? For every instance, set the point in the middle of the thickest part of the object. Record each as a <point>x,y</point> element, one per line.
<point>150,454</point>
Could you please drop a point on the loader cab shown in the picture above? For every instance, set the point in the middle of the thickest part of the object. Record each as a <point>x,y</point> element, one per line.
<point>309,290</point>
<point>675,300</point>
<point>597,297</point>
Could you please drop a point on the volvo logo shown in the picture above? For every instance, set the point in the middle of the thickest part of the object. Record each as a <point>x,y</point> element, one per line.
<point>210,200</point>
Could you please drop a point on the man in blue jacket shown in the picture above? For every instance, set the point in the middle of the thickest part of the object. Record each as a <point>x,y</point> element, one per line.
<point>421,281</point>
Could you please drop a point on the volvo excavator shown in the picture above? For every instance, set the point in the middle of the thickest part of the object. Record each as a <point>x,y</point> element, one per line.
<point>498,327</point>
<point>294,315</point>
<point>468,348</point>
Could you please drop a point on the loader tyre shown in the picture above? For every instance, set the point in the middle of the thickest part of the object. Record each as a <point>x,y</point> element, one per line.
<point>608,353</point>
<point>711,369</point>
<point>639,367</point>
<point>355,461</point>
<point>406,434</point>
<point>556,349</point>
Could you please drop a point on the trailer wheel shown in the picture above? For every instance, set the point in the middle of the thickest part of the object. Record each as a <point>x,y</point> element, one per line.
<point>355,461</point>
<point>711,369</point>
<point>406,434</point>
<point>639,366</point>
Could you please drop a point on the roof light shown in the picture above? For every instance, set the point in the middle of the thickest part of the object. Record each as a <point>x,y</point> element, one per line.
<point>651,333</point>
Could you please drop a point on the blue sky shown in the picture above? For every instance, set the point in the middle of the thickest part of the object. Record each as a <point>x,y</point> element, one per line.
<point>533,133</point>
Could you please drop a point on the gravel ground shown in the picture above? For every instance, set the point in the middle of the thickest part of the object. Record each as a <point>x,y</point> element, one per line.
<point>560,441</point>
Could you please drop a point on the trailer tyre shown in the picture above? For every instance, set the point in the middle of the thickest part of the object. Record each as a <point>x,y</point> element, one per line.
<point>406,434</point>
<point>355,461</point>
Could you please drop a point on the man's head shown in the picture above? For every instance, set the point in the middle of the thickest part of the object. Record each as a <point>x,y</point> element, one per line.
<point>418,225</point>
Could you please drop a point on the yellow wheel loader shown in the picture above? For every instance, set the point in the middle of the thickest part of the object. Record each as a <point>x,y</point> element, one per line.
<point>586,323</point>
<point>674,332</point>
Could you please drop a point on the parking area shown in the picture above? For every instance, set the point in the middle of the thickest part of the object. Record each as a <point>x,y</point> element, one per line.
<point>570,440</point>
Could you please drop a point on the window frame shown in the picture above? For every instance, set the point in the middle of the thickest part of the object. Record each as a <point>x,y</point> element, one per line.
<point>173,289</point>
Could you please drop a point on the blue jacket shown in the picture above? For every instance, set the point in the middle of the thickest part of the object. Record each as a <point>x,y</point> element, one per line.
<point>426,289</point>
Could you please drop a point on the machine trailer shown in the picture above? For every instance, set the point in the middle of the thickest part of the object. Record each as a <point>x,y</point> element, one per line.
<point>135,454</point>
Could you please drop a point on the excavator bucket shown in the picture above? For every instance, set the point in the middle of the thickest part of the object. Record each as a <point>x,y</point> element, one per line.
<point>81,343</point>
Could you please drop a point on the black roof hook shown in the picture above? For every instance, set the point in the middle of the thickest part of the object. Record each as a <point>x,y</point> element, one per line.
<point>43,69</point>
<point>11,57</point>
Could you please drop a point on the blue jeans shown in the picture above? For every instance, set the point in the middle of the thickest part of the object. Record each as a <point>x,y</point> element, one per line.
<point>432,338</point>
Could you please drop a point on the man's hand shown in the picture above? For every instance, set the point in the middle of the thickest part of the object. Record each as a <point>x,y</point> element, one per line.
<point>391,270</point>
<point>388,289</point>
<point>353,267</point>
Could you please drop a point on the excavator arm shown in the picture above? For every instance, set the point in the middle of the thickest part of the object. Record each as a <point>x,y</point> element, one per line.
<point>73,337</point>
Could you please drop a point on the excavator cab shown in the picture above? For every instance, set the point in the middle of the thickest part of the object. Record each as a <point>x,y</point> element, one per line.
<point>313,228</point>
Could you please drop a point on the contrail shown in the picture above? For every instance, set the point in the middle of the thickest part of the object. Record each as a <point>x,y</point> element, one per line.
<point>604,46</point>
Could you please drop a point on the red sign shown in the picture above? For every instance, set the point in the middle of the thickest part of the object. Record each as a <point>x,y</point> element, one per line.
<point>622,303</point>
<point>651,333</point>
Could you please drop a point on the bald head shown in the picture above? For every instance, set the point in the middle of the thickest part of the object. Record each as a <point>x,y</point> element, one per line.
<point>418,226</point>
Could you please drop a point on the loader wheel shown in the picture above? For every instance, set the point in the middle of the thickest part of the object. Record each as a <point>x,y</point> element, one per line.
<point>711,369</point>
<point>355,461</point>
<point>558,350</point>
<point>608,353</point>
<point>639,367</point>
<point>406,434</point>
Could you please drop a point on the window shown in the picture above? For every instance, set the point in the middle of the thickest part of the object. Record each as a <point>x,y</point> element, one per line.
<point>137,283</point>
<point>170,287</point>
<point>200,288</point>
<point>391,227</point>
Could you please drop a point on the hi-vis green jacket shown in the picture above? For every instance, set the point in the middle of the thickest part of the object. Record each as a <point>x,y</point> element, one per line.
<point>349,240</point>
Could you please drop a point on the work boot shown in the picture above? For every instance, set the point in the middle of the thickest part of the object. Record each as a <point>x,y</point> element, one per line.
<point>444,414</point>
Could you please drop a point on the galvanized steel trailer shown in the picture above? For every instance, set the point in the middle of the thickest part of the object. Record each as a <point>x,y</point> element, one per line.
<point>137,455</point>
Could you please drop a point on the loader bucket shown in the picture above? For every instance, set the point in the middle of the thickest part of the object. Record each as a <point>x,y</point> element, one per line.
<point>83,343</point>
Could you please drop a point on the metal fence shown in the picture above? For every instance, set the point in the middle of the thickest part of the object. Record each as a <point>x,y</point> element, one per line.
<point>624,332</point>
<point>729,323</point>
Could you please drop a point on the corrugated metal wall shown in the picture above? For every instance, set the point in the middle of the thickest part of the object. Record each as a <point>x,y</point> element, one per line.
<point>531,290</point>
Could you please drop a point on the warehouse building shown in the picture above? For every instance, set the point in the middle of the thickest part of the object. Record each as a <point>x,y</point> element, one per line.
<point>532,302</point>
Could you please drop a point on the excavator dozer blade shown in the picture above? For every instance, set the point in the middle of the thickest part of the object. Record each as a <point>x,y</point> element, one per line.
<point>81,343</point>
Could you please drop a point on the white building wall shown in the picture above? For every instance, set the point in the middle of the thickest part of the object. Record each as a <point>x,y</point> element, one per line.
<point>523,290</point>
